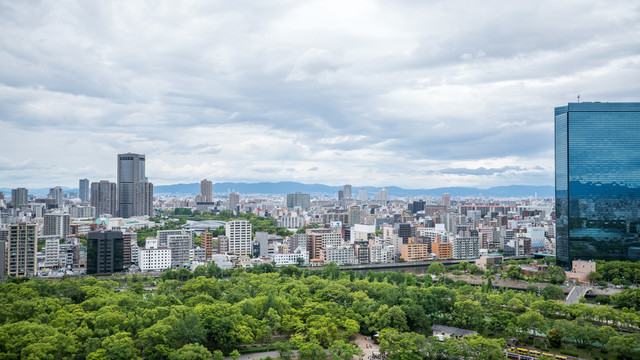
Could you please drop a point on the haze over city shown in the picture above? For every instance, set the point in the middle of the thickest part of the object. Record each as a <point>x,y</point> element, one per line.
<point>413,94</point>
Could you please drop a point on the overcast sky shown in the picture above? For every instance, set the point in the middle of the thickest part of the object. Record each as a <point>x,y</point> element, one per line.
<point>418,94</point>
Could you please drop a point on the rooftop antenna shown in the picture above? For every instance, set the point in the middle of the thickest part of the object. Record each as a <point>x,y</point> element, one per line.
<point>578,97</point>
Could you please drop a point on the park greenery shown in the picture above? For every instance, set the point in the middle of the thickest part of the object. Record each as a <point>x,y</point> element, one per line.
<point>210,312</point>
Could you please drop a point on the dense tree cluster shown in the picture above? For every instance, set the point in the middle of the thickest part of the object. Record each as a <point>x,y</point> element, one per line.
<point>185,315</point>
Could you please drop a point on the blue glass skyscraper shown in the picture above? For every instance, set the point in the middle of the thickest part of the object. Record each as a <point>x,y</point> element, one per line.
<point>597,149</point>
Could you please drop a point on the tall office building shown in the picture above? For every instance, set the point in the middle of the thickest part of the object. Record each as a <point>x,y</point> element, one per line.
<point>597,182</point>
<point>105,252</point>
<point>383,195</point>
<point>346,192</point>
<point>446,200</point>
<point>206,190</point>
<point>104,198</point>
<point>135,193</point>
<point>56,224</point>
<point>234,200</point>
<point>57,194</point>
<point>362,195</point>
<point>300,200</point>
<point>19,197</point>
<point>83,190</point>
<point>144,198</point>
<point>238,233</point>
<point>22,248</point>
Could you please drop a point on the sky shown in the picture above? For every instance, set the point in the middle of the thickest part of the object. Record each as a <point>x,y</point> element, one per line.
<point>417,94</point>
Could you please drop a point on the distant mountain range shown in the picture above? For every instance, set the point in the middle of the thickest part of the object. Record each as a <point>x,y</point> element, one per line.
<point>519,191</point>
<point>287,187</point>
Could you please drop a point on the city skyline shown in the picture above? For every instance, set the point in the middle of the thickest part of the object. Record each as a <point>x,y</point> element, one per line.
<point>413,95</point>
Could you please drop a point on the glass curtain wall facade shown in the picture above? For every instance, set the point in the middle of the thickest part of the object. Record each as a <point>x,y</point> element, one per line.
<point>597,156</point>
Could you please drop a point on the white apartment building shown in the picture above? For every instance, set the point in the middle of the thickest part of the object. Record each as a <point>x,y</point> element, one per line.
<point>465,247</point>
<point>438,231</point>
<point>377,254</point>
<point>151,257</point>
<point>290,222</point>
<point>52,251</point>
<point>341,255</point>
<point>292,259</point>
<point>238,233</point>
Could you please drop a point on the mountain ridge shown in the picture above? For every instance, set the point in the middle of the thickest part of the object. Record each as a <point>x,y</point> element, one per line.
<point>287,187</point>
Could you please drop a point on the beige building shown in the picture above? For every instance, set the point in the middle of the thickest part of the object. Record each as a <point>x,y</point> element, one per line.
<point>414,252</point>
<point>580,271</point>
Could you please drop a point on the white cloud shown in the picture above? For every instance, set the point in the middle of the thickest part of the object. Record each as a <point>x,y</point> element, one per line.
<point>364,92</point>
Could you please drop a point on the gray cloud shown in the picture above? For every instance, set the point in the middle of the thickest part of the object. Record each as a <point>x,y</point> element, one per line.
<point>406,93</point>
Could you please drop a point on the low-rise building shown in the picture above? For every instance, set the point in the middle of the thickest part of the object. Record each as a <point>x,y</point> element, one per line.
<point>154,258</point>
<point>292,259</point>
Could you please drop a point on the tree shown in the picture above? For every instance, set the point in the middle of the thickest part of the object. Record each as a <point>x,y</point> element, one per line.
<point>514,272</point>
<point>217,355</point>
<point>468,314</point>
<point>285,350</point>
<point>331,271</point>
<point>464,266</point>
<point>594,277</point>
<point>531,321</point>
<point>341,350</point>
<point>555,340</point>
<point>553,292</point>
<point>118,346</point>
<point>191,352</point>
<point>311,350</point>
<point>626,345</point>
<point>476,348</point>
<point>557,275</point>
<point>403,346</point>
<point>235,354</point>
<point>436,268</point>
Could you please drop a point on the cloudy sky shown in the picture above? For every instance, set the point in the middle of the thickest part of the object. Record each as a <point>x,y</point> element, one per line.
<point>419,94</point>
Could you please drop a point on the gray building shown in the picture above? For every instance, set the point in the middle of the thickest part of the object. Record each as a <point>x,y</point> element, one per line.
<point>105,251</point>
<point>57,224</point>
<point>180,245</point>
<point>135,193</point>
<point>19,197</point>
<point>346,191</point>
<point>104,198</point>
<point>163,236</point>
<point>57,194</point>
<point>22,249</point>
<point>234,201</point>
<point>299,199</point>
<point>83,190</point>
